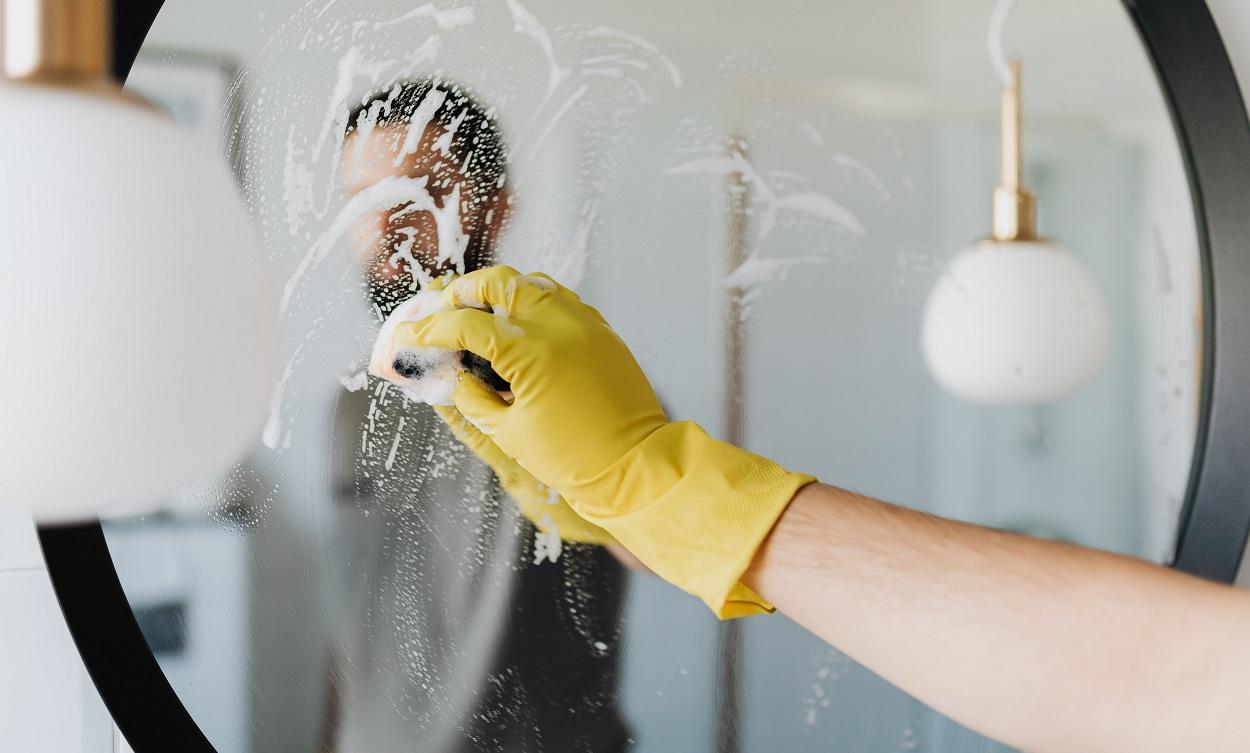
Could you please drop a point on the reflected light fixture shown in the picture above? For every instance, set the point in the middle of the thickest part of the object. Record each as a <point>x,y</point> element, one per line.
<point>1015,319</point>
<point>138,317</point>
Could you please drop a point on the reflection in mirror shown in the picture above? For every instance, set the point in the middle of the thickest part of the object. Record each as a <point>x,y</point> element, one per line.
<point>760,198</point>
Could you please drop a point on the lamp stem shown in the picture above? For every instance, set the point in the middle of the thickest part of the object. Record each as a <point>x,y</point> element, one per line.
<point>1014,208</point>
<point>1010,127</point>
<point>55,41</point>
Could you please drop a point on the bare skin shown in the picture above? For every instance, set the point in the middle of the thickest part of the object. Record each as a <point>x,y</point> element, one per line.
<point>1048,647</point>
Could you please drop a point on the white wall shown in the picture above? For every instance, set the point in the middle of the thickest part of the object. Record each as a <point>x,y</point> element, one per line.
<point>47,701</point>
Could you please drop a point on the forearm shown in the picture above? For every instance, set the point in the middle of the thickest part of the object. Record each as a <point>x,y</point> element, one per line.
<point>1044,646</point>
<point>1048,647</point>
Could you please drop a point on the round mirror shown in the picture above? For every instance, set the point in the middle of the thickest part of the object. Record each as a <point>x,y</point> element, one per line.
<point>760,198</point>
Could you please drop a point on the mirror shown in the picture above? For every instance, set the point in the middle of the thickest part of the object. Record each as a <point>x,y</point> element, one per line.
<point>759,197</point>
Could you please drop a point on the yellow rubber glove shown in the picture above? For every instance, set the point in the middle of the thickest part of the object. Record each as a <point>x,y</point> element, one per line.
<point>585,420</point>
<point>541,504</point>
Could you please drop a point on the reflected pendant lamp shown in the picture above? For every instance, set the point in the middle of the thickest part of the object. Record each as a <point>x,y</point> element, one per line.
<point>1015,319</point>
<point>138,318</point>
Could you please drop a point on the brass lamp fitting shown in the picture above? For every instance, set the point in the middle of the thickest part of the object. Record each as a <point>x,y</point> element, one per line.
<point>58,42</point>
<point>1015,209</point>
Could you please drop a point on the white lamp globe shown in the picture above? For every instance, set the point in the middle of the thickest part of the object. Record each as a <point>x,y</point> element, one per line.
<point>138,317</point>
<point>1015,323</point>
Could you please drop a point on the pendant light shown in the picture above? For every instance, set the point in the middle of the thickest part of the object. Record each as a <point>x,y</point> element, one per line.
<point>138,319</point>
<point>1015,319</point>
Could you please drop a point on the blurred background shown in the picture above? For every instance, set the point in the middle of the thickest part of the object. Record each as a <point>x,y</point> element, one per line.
<point>759,198</point>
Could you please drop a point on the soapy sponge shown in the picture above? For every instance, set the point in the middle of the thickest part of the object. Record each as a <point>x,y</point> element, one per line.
<point>427,375</point>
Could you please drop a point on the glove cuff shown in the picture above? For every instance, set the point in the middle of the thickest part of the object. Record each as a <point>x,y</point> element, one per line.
<point>694,510</point>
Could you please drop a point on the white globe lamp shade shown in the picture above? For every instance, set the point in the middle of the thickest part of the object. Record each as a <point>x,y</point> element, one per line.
<point>1014,320</point>
<point>138,317</point>
<point>1015,323</point>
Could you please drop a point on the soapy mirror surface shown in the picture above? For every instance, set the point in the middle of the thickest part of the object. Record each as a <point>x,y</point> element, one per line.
<point>759,197</point>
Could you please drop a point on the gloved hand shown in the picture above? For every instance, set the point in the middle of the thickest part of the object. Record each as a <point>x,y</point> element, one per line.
<point>585,420</point>
<point>541,504</point>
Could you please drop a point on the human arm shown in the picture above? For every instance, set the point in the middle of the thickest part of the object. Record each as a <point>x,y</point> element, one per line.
<point>1045,646</point>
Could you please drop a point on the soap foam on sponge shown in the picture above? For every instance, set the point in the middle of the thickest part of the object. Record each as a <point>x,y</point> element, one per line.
<point>427,375</point>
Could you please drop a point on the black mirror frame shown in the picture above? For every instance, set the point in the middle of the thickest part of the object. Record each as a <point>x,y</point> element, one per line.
<point>1211,124</point>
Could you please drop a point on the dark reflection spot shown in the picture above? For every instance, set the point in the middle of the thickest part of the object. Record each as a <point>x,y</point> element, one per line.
<point>481,368</point>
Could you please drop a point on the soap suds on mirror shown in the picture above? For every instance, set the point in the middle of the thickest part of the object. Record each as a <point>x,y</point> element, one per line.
<point>591,78</point>
<point>524,22</point>
<point>547,543</point>
<point>399,433</point>
<point>620,49</point>
<point>452,240</point>
<point>757,270</point>
<point>850,164</point>
<point>830,669</point>
<point>803,210</point>
<point>559,115</point>
<point>355,382</point>
<point>387,193</point>
<point>419,122</point>
<point>297,185</point>
<point>352,65</point>
<point>823,206</point>
<point>272,430</point>
<point>446,19</point>
<point>443,142</point>
<point>762,194</point>
<point>635,42</point>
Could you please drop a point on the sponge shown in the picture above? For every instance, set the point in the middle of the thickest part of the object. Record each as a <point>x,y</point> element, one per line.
<point>427,375</point>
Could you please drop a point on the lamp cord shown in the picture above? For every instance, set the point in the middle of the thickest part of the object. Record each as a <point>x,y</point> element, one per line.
<point>994,39</point>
